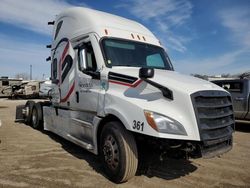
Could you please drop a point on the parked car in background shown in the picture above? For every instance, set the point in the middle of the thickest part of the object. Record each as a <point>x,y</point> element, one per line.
<point>240,92</point>
<point>45,89</point>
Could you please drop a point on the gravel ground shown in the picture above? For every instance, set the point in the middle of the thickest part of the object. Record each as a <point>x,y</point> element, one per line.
<point>31,158</point>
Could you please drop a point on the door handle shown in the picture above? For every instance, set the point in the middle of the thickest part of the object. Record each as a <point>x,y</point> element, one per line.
<point>77,96</point>
<point>239,99</point>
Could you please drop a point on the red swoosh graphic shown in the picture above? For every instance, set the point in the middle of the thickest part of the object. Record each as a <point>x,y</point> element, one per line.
<point>61,60</point>
<point>135,84</point>
<point>69,93</point>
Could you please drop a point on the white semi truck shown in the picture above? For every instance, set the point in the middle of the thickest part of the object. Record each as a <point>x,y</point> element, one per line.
<point>115,88</point>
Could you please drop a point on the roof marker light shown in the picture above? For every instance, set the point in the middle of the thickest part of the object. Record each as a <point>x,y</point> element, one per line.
<point>144,38</point>
<point>138,37</point>
<point>132,35</point>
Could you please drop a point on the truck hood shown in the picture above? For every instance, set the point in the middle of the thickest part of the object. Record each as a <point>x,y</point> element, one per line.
<point>172,80</point>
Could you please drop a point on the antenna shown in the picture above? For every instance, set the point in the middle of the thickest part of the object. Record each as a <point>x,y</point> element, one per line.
<point>30,72</point>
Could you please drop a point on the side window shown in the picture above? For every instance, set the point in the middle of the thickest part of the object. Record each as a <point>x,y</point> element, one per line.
<point>155,60</point>
<point>5,83</point>
<point>54,69</point>
<point>87,61</point>
<point>58,27</point>
<point>233,86</point>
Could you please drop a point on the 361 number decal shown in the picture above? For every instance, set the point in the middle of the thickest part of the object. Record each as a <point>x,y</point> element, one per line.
<point>138,125</point>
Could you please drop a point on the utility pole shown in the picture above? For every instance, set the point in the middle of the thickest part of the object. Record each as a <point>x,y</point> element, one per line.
<point>30,72</point>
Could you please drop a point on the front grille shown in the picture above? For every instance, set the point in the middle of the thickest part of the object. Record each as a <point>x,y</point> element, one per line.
<point>214,114</point>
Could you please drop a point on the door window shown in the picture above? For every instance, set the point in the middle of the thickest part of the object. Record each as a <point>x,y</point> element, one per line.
<point>5,83</point>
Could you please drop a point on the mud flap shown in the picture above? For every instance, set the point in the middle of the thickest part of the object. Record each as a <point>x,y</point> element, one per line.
<point>19,113</point>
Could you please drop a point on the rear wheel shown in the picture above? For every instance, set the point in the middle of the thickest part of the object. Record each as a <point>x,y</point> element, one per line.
<point>28,111</point>
<point>119,152</point>
<point>37,116</point>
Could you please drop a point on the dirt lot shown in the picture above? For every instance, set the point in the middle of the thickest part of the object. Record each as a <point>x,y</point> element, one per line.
<point>30,158</point>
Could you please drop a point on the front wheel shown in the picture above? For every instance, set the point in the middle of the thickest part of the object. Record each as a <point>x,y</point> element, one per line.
<point>118,152</point>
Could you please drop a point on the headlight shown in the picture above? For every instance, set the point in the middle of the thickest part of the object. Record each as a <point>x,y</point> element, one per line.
<point>164,124</point>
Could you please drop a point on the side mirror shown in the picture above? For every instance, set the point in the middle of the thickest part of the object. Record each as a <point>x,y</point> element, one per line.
<point>145,73</point>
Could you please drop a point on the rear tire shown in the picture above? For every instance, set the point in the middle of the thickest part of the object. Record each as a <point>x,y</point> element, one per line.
<point>118,152</point>
<point>37,117</point>
<point>28,107</point>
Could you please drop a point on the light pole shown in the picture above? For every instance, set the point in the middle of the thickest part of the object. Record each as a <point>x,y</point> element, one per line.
<point>30,72</point>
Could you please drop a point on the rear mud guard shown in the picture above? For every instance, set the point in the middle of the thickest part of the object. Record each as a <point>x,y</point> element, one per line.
<point>19,113</point>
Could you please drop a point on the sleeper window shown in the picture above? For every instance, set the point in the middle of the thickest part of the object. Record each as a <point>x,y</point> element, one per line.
<point>54,69</point>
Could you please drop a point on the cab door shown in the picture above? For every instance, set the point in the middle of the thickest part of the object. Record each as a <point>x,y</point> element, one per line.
<point>239,97</point>
<point>87,80</point>
<point>247,91</point>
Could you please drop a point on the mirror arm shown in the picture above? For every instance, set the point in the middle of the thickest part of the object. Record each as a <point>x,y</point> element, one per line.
<point>95,75</point>
<point>166,92</point>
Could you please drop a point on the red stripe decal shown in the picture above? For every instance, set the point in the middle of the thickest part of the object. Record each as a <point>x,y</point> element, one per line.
<point>69,93</point>
<point>64,52</point>
<point>61,60</point>
<point>135,84</point>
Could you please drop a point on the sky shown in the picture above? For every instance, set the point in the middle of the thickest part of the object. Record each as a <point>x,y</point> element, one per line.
<point>200,37</point>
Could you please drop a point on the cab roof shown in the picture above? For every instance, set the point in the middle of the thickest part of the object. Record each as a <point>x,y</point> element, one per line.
<point>79,21</point>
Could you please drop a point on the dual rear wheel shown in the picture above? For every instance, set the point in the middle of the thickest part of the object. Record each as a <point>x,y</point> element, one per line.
<point>33,114</point>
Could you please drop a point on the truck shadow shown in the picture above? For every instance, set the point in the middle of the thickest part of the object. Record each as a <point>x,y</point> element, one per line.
<point>243,127</point>
<point>78,152</point>
<point>169,169</point>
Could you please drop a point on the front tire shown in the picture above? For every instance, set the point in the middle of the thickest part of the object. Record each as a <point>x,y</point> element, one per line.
<point>119,152</point>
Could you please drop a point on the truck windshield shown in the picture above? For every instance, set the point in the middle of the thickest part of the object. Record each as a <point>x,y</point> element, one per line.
<point>135,54</point>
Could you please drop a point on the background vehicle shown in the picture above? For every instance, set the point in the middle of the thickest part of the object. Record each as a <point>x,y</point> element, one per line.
<point>24,89</point>
<point>6,84</point>
<point>240,92</point>
<point>45,89</point>
<point>114,89</point>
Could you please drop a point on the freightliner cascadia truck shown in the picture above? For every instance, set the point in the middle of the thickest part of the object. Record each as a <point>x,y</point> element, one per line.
<point>114,89</point>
